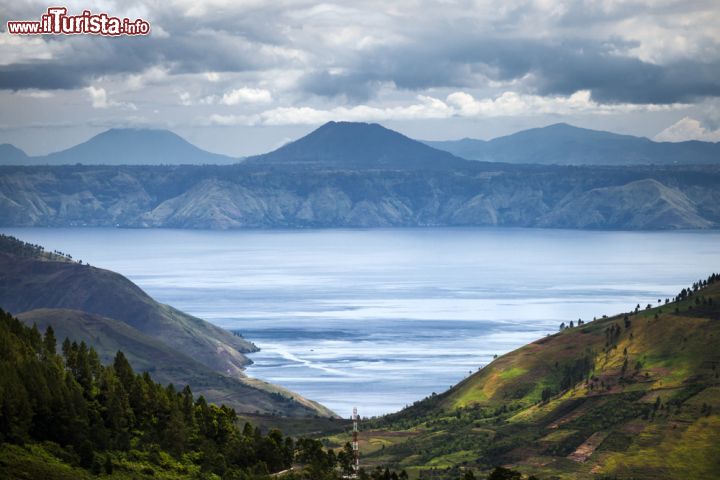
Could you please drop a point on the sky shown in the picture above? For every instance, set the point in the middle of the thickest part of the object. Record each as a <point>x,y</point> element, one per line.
<point>246,76</point>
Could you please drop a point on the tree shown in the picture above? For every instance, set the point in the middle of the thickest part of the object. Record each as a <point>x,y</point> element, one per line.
<point>123,370</point>
<point>346,459</point>
<point>49,342</point>
<point>501,473</point>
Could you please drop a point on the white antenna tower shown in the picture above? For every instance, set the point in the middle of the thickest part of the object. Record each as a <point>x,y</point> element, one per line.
<point>355,444</point>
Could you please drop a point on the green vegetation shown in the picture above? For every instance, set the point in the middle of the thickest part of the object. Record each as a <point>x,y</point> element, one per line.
<point>13,246</point>
<point>110,313</point>
<point>69,409</point>
<point>67,416</point>
<point>635,396</point>
<point>631,396</point>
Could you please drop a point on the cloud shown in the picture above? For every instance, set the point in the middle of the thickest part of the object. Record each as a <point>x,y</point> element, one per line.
<point>35,93</point>
<point>622,52</point>
<point>688,129</point>
<point>457,104</point>
<point>246,95</point>
<point>99,99</point>
<point>300,62</point>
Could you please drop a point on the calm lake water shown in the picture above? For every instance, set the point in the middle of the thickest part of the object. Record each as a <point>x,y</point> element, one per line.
<point>381,318</point>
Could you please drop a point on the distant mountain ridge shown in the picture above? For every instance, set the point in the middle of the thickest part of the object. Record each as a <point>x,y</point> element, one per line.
<point>352,145</point>
<point>563,144</point>
<point>263,196</point>
<point>364,175</point>
<point>357,145</point>
<point>122,146</point>
<point>11,155</point>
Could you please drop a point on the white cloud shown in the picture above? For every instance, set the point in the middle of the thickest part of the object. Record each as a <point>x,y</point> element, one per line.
<point>33,93</point>
<point>457,104</point>
<point>185,98</point>
<point>687,129</point>
<point>151,76</point>
<point>511,104</point>
<point>99,99</point>
<point>246,95</point>
<point>26,49</point>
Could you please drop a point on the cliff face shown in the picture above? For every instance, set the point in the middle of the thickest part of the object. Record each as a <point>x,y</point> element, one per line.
<point>247,196</point>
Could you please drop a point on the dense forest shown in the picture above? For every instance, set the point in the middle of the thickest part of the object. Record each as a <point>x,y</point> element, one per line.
<point>106,420</point>
<point>89,410</point>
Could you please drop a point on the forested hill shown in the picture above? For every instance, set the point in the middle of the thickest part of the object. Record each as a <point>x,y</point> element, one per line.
<point>67,416</point>
<point>634,396</point>
<point>110,312</point>
<point>13,246</point>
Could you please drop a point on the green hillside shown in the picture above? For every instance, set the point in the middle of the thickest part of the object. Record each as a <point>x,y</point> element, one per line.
<point>68,416</point>
<point>110,313</point>
<point>13,246</point>
<point>29,284</point>
<point>632,396</point>
<point>168,365</point>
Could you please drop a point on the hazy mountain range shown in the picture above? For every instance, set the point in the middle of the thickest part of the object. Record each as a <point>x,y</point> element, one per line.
<point>122,146</point>
<point>563,144</point>
<point>361,145</point>
<point>361,175</point>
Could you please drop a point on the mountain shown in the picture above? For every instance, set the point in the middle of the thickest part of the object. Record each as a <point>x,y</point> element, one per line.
<point>11,155</point>
<point>358,146</point>
<point>109,311</point>
<point>640,205</point>
<point>264,196</point>
<point>564,144</point>
<point>28,284</point>
<point>124,146</point>
<point>636,396</point>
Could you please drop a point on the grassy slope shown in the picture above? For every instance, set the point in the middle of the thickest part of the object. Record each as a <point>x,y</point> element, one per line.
<point>605,423</point>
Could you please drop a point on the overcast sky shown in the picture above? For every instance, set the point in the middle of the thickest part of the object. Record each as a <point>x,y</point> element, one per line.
<point>242,77</point>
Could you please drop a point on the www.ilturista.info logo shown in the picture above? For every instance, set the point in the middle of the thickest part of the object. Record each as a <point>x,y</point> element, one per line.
<point>56,21</point>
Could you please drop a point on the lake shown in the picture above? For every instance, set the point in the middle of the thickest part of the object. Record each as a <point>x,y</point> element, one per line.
<point>380,318</point>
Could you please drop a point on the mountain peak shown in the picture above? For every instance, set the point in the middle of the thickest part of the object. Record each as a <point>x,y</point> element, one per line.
<point>565,144</point>
<point>10,154</point>
<point>358,145</point>
<point>136,146</point>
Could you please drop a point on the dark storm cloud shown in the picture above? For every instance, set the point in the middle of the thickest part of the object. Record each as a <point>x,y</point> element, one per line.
<point>182,44</point>
<point>555,68</point>
<point>437,49</point>
<point>84,60</point>
<point>90,58</point>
